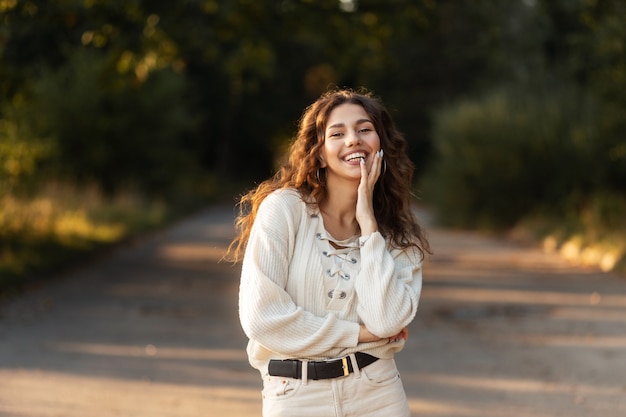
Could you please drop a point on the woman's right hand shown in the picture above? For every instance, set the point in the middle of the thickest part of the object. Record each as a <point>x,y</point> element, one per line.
<point>403,335</point>
<point>365,336</point>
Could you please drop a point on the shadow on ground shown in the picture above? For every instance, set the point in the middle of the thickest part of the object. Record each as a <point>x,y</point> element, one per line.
<point>153,330</point>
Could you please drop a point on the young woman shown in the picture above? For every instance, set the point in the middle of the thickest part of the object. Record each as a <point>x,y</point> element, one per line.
<point>331,273</point>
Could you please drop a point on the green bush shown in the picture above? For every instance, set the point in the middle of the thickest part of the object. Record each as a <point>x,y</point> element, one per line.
<point>63,224</point>
<point>114,129</point>
<point>545,164</point>
<point>21,152</point>
<point>512,152</point>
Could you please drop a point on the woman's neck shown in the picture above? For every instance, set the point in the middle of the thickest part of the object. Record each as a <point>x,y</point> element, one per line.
<point>339,211</point>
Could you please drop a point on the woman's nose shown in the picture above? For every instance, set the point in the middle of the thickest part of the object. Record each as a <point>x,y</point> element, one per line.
<point>353,138</point>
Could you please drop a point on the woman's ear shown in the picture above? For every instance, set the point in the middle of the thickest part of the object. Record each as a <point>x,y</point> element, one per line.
<point>323,163</point>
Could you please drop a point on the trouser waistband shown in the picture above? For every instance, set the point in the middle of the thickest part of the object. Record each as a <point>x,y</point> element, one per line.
<point>292,368</point>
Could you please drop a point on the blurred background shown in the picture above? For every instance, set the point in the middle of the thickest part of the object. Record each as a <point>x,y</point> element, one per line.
<point>119,116</point>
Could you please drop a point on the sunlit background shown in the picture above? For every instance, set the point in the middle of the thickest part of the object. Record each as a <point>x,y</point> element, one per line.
<point>118,116</point>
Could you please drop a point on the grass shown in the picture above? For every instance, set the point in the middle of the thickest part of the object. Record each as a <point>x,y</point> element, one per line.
<point>594,235</point>
<point>62,224</point>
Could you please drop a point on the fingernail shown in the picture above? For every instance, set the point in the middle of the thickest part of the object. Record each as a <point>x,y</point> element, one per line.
<point>362,161</point>
<point>380,153</point>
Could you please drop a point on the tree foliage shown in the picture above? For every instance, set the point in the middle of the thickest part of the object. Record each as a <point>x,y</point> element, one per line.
<point>156,93</point>
<point>550,138</point>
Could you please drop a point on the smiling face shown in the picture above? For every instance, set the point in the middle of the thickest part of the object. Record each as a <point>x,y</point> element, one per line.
<point>349,137</point>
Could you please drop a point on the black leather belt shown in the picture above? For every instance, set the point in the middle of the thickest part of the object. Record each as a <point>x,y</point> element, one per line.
<point>292,368</point>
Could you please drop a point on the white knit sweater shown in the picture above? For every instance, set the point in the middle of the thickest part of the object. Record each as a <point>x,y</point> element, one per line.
<point>301,298</point>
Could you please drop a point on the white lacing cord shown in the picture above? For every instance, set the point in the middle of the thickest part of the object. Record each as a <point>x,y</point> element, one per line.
<point>343,255</point>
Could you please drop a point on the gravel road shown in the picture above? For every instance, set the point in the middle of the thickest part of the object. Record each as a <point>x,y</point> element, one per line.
<point>151,330</point>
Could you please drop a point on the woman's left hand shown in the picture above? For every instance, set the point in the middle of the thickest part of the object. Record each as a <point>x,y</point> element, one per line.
<point>365,199</point>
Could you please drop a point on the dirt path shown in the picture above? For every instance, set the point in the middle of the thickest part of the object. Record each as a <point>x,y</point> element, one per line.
<point>153,331</point>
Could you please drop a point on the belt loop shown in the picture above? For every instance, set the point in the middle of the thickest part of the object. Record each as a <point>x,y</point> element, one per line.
<point>305,371</point>
<point>355,366</point>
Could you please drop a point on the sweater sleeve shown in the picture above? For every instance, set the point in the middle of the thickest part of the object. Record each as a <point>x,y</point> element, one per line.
<point>267,312</point>
<point>388,286</point>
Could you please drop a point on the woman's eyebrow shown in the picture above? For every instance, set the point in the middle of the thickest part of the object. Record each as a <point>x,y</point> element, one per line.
<point>335,126</point>
<point>358,122</point>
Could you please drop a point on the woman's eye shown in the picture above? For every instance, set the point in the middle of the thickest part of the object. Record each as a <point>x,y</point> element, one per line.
<point>365,129</point>
<point>335,134</point>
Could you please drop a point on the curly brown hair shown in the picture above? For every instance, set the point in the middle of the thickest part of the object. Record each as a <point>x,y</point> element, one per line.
<point>301,171</point>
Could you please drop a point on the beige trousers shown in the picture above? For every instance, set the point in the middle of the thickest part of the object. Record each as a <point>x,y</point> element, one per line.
<point>374,391</point>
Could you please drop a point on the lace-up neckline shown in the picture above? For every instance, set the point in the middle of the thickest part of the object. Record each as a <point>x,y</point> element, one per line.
<point>342,253</point>
<point>340,258</point>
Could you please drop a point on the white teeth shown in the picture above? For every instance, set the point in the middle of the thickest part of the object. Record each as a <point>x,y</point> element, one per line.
<point>357,155</point>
